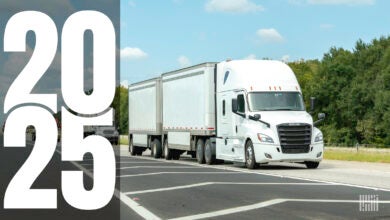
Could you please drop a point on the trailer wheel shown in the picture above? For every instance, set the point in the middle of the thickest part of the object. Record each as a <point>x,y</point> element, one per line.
<point>156,148</point>
<point>250,160</point>
<point>133,151</point>
<point>200,151</point>
<point>167,153</point>
<point>208,153</point>
<point>311,164</point>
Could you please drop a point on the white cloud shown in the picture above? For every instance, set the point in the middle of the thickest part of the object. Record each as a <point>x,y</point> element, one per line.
<point>233,6</point>
<point>285,58</point>
<point>269,36</point>
<point>184,61</point>
<point>250,57</point>
<point>132,53</point>
<point>334,2</point>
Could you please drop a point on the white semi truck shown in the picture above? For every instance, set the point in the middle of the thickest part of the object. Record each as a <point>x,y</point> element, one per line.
<point>249,111</point>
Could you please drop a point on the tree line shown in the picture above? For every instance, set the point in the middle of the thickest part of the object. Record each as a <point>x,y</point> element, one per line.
<point>351,87</point>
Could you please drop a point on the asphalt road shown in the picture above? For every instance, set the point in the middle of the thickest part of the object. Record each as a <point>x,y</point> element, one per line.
<point>185,190</point>
<point>150,188</point>
<point>11,159</point>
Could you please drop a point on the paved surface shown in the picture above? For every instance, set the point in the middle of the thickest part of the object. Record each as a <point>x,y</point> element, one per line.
<point>150,188</point>
<point>11,159</point>
<point>185,190</point>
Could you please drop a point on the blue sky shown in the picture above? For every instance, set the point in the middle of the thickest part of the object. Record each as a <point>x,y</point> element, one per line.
<point>159,36</point>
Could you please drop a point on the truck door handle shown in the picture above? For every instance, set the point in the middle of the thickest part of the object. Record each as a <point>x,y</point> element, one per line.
<point>236,129</point>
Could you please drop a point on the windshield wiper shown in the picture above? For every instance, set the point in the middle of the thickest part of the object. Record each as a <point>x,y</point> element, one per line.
<point>284,109</point>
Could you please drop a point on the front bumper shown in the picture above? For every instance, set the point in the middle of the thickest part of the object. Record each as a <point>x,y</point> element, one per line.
<point>265,153</point>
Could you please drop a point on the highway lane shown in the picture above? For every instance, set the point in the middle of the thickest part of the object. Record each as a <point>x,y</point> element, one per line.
<point>185,190</point>
<point>154,188</point>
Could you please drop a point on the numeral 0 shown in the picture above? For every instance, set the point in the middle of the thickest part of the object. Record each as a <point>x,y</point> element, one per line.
<point>74,146</point>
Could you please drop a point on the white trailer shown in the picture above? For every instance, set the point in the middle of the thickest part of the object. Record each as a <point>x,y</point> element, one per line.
<point>242,111</point>
<point>145,116</point>
<point>188,109</point>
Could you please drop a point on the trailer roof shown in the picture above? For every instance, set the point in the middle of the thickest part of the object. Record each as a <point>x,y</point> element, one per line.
<point>189,68</point>
<point>144,81</point>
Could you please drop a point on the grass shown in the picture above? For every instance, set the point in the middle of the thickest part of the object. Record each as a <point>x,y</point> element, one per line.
<point>123,140</point>
<point>361,156</point>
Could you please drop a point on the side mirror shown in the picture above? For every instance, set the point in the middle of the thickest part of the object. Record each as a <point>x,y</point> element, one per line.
<point>234,106</point>
<point>312,103</point>
<point>256,117</point>
<point>321,117</point>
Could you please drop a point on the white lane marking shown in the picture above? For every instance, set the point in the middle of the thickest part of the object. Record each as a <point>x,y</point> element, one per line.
<point>262,205</point>
<point>136,207</point>
<point>169,167</point>
<point>159,173</point>
<point>232,210</point>
<point>258,172</point>
<point>218,183</point>
<point>139,209</point>
<point>168,188</point>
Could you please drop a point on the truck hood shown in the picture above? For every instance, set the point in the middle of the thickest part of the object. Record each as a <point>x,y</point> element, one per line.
<point>275,118</point>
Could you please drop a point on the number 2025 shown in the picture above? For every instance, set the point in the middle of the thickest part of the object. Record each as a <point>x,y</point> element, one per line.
<point>40,107</point>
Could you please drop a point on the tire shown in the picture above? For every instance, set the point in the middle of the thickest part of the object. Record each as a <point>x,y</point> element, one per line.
<point>208,153</point>
<point>311,164</point>
<point>167,153</point>
<point>200,151</point>
<point>250,159</point>
<point>156,148</point>
<point>132,149</point>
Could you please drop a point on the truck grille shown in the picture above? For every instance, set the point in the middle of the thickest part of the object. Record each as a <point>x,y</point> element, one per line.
<point>294,138</point>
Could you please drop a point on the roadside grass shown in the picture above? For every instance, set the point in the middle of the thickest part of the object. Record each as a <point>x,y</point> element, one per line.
<point>353,155</point>
<point>124,140</point>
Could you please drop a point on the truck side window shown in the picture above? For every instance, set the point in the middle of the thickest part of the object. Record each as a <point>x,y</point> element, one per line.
<point>223,107</point>
<point>241,103</point>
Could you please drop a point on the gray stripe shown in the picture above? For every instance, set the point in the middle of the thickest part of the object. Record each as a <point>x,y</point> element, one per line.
<point>184,76</point>
<point>142,87</point>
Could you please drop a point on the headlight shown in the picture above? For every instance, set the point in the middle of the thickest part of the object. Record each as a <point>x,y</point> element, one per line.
<point>264,138</point>
<point>319,138</point>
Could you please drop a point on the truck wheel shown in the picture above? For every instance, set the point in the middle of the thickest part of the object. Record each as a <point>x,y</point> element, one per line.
<point>200,151</point>
<point>167,153</point>
<point>250,160</point>
<point>156,148</point>
<point>311,164</point>
<point>208,153</point>
<point>132,149</point>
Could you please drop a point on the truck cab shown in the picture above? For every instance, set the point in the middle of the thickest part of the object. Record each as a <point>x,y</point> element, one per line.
<point>261,115</point>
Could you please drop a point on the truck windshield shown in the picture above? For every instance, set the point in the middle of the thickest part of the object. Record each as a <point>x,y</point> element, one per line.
<point>276,101</point>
